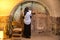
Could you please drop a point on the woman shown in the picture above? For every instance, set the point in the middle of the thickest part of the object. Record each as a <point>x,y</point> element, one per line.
<point>27,23</point>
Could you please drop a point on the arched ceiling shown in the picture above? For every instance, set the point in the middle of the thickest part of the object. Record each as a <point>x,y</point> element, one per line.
<point>33,4</point>
<point>53,5</point>
<point>6,6</point>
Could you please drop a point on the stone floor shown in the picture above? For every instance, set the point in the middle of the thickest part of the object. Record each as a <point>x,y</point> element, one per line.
<point>39,36</point>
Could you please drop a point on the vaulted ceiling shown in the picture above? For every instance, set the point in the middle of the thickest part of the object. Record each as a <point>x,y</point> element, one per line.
<point>53,6</point>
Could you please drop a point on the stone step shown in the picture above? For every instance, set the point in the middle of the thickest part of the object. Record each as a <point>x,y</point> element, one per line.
<point>16,38</point>
<point>17,34</point>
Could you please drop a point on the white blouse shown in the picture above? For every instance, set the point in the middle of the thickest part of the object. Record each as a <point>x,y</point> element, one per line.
<point>27,19</point>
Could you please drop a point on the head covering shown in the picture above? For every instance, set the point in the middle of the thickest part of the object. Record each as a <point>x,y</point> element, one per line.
<point>26,10</point>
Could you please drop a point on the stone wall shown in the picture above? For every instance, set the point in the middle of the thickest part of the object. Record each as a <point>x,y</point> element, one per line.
<point>3,22</point>
<point>58,25</point>
<point>54,11</point>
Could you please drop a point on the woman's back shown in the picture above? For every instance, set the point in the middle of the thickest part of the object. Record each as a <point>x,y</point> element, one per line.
<point>27,19</point>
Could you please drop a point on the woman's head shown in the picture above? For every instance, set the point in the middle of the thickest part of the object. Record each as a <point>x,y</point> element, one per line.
<point>26,10</point>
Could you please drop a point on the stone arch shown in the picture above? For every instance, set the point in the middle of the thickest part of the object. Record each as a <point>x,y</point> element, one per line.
<point>14,9</point>
<point>40,3</point>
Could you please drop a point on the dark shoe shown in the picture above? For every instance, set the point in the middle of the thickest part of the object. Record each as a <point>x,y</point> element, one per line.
<point>28,37</point>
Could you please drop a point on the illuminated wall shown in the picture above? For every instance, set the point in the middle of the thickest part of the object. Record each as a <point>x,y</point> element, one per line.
<point>7,5</point>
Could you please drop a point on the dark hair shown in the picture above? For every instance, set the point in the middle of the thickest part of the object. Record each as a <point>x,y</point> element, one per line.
<point>26,10</point>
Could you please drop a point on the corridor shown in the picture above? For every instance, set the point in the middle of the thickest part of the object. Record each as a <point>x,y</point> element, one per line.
<point>45,21</point>
<point>42,23</point>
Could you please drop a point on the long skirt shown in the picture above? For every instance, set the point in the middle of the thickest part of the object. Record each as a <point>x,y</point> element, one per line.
<point>27,31</point>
